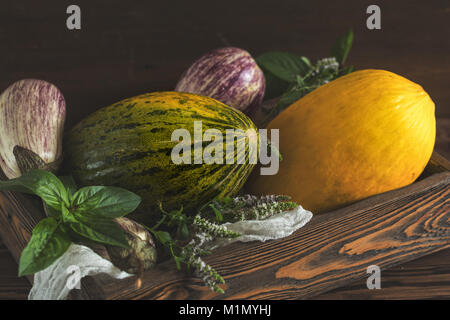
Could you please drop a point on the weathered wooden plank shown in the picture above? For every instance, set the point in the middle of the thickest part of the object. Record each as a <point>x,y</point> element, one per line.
<point>437,164</point>
<point>11,287</point>
<point>19,213</point>
<point>334,249</point>
<point>424,278</point>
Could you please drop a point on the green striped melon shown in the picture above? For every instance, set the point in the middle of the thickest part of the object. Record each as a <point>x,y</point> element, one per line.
<point>128,144</point>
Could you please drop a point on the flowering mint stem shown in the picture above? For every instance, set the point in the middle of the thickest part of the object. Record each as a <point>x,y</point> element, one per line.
<point>213,229</point>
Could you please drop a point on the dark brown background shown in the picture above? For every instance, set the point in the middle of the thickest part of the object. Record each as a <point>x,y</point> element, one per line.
<point>130,47</point>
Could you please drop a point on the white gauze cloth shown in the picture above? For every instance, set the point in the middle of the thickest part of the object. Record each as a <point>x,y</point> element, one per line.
<point>276,227</point>
<point>55,282</point>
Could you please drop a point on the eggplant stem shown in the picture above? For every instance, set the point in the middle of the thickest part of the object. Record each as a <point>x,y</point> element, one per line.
<point>29,160</point>
<point>3,176</point>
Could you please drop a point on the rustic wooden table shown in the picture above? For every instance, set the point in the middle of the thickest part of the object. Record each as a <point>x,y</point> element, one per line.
<point>127,48</point>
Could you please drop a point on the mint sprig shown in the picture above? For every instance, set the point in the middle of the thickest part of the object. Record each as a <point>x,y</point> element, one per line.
<point>88,214</point>
<point>182,236</point>
<point>187,248</point>
<point>290,76</point>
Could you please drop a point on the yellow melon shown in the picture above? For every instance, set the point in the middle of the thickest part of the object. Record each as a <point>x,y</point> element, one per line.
<point>365,133</point>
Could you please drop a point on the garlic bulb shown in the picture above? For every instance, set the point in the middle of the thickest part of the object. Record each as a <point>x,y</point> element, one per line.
<point>142,253</point>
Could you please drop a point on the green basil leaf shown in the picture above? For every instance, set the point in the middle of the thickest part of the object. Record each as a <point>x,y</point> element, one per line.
<point>178,261</point>
<point>163,236</point>
<point>110,202</point>
<point>41,183</point>
<point>300,81</point>
<point>342,47</point>
<point>47,244</point>
<point>50,211</point>
<point>284,65</point>
<point>67,216</point>
<point>183,231</point>
<point>228,201</point>
<point>98,229</point>
<point>219,216</point>
<point>70,185</point>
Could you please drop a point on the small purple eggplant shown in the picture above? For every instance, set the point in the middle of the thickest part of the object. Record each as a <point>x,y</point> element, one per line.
<point>229,75</point>
<point>32,115</point>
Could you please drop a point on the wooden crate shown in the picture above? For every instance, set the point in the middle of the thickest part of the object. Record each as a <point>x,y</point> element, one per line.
<point>331,251</point>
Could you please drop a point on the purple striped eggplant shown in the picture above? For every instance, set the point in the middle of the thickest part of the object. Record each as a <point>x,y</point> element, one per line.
<point>229,75</point>
<point>32,115</point>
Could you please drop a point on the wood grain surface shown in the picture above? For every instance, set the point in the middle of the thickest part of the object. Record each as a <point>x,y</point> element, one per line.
<point>127,48</point>
<point>425,278</point>
<point>386,230</point>
<point>19,213</point>
<point>332,250</point>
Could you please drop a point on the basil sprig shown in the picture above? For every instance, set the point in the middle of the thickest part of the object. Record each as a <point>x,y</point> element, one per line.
<point>88,214</point>
<point>290,76</point>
